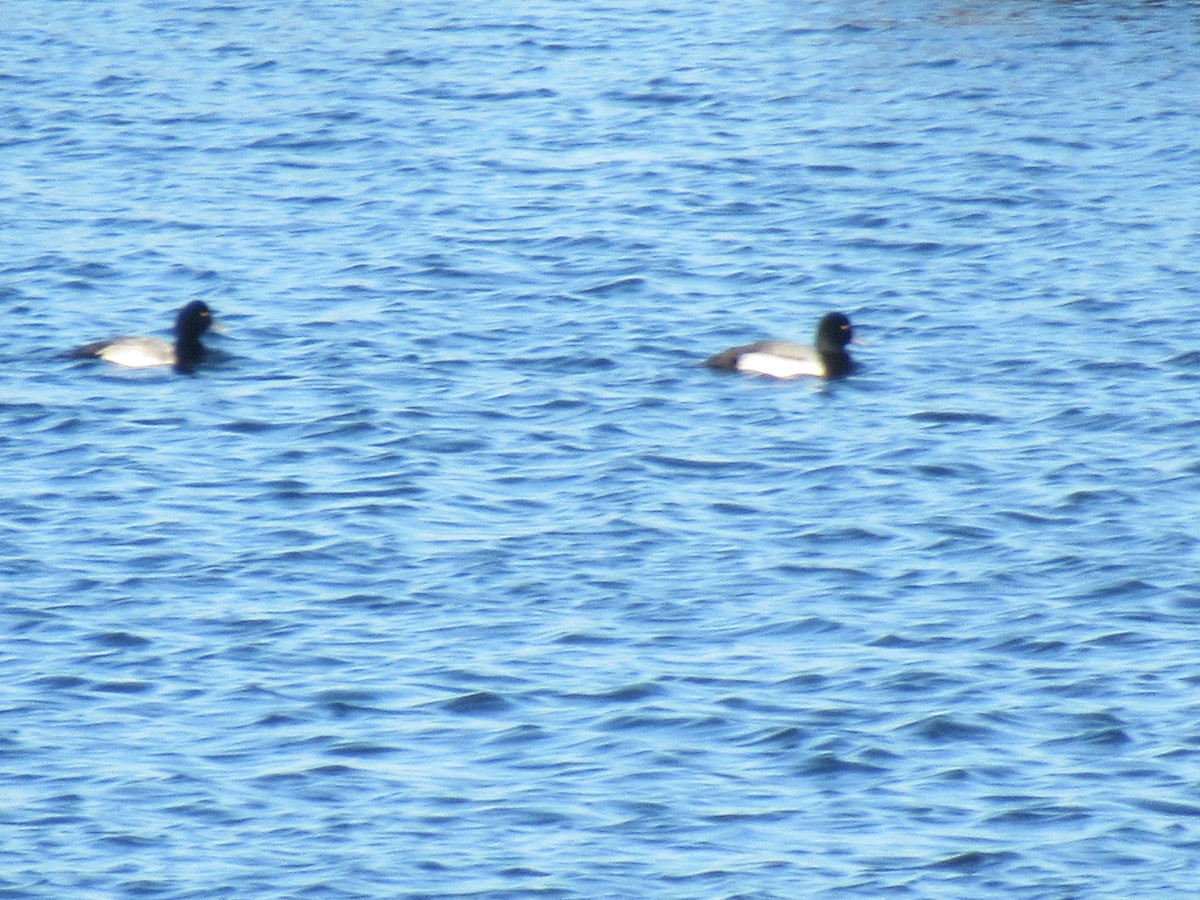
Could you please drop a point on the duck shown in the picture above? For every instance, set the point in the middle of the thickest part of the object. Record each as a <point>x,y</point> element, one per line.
<point>141,352</point>
<point>784,359</point>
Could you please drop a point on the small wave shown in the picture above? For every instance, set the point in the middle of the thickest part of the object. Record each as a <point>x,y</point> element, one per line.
<point>120,639</point>
<point>477,703</point>
<point>943,728</point>
<point>616,286</point>
<point>975,860</point>
<point>360,749</point>
<point>1170,808</point>
<point>954,417</point>
<point>829,763</point>
<point>625,694</point>
<point>123,687</point>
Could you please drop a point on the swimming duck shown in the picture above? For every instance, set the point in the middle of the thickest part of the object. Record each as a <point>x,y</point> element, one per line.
<point>783,359</point>
<point>139,352</point>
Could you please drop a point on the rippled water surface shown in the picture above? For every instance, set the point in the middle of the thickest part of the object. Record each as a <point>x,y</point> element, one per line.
<point>453,574</point>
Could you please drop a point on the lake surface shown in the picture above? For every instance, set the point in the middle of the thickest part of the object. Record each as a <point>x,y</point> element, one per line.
<point>454,574</point>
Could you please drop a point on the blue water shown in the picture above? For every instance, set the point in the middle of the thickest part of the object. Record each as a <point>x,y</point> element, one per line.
<point>455,575</point>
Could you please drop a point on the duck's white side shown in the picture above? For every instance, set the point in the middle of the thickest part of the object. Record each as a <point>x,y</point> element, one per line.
<point>139,353</point>
<point>777,365</point>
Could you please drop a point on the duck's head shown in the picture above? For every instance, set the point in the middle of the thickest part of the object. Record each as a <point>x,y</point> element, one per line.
<point>834,332</point>
<point>193,320</point>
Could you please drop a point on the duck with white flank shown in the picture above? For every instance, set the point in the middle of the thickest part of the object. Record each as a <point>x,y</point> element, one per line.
<point>140,352</point>
<point>783,359</point>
